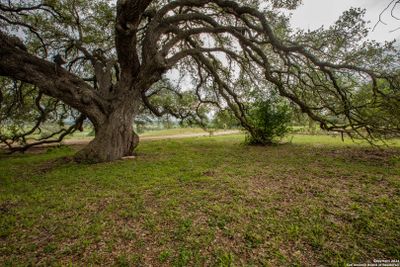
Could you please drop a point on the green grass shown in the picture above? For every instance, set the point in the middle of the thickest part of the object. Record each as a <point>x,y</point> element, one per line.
<point>204,202</point>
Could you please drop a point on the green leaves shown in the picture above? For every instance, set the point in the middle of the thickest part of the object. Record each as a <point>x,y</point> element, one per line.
<point>270,120</point>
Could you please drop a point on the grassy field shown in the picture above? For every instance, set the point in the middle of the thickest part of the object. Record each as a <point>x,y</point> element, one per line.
<point>173,131</point>
<point>204,202</point>
<point>150,133</point>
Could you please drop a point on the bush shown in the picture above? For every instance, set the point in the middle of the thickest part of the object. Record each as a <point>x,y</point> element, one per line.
<point>270,121</point>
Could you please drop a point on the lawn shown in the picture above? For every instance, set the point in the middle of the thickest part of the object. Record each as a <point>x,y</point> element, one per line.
<point>206,201</point>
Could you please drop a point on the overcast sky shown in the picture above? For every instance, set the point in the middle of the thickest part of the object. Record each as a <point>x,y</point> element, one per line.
<point>315,13</point>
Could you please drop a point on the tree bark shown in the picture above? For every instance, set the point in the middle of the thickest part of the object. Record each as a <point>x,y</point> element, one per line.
<point>114,138</point>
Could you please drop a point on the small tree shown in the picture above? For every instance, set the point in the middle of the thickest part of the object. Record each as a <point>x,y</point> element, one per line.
<point>270,119</point>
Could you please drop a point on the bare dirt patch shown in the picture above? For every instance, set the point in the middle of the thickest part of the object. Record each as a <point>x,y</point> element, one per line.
<point>375,156</point>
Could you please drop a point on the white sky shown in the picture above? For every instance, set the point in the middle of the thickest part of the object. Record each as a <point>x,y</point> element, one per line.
<point>315,13</point>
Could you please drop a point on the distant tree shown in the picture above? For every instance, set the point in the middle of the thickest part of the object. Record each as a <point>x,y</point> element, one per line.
<point>107,62</point>
<point>225,119</point>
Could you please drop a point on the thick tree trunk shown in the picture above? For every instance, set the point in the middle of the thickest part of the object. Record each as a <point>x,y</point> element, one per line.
<point>114,138</point>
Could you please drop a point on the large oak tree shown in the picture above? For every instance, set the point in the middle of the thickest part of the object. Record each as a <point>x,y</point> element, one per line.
<point>117,58</point>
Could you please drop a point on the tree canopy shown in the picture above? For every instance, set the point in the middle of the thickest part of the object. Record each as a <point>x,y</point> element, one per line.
<point>108,62</point>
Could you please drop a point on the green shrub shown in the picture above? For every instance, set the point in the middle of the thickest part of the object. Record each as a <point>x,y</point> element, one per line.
<point>270,121</point>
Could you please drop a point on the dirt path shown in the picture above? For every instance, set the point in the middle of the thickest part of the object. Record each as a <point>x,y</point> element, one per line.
<point>177,136</point>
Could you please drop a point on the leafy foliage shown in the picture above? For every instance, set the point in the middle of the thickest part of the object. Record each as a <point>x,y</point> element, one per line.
<point>382,111</point>
<point>270,120</point>
<point>26,114</point>
<point>225,119</point>
<point>190,59</point>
